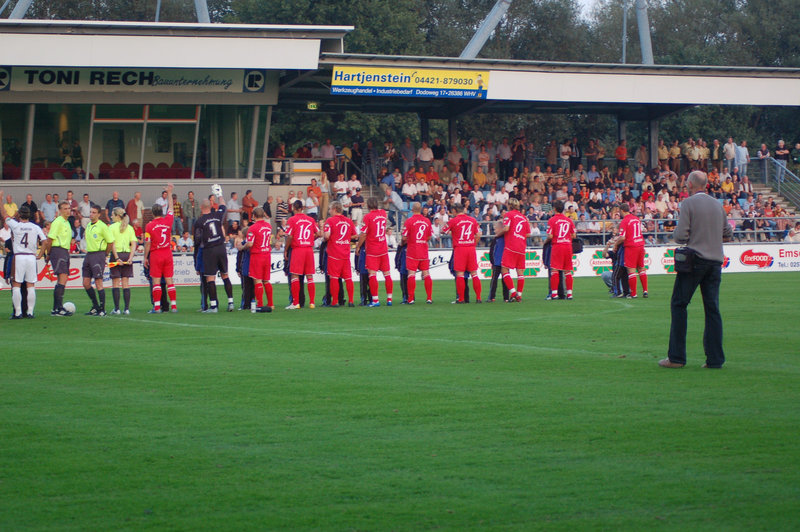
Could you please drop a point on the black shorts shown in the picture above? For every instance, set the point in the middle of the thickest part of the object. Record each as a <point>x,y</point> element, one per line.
<point>215,259</point>
<point>59,260</point>
<point>93,265</point>
<point>123,270</point>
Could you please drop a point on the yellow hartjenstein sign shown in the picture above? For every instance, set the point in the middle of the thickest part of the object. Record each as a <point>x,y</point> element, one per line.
<point>409,82</point>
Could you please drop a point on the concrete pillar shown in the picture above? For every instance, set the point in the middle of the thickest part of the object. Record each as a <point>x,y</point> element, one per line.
<point>26,159</point>
<point>653,138</point>
<point>425,129</point>
<point>452,133</point>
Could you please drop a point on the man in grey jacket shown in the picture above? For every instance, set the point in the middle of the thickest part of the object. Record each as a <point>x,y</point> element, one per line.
<point>702,227</point>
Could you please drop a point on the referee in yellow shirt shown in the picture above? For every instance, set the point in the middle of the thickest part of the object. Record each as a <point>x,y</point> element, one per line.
<point>98,241</point>
<point>124,245</point>
<point>56,247</point>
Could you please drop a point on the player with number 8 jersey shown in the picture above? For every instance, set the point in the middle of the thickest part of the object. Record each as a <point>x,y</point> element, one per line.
<point>416,233</point>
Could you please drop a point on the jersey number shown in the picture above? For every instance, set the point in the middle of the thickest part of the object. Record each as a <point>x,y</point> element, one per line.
<point>563,230</point>
<point>421,234</point>
<point>24,240</point>
<point>466,233</point>
<point>305,232</point>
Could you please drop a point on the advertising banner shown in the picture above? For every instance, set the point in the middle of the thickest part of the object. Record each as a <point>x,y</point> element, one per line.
<point>410,82</point>
<point>757,258</point>
<point>139,80</point>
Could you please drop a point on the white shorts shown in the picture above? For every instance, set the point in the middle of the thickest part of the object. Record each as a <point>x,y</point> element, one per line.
<point>25,269</point>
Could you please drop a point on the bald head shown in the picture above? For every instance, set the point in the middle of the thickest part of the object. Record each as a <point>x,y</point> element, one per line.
<point>205,207</point>
<point>416,207</point>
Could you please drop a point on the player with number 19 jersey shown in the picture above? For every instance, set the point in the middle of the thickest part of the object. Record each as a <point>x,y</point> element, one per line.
<point>417,232</point>
<point>561,230</point>
<point>159,233</point>
<point>341,230</point>
<point>374,227</point>
<point>465,231</point>
<point>303,230</point>
<point>260,235</point>
<point>516,236</point>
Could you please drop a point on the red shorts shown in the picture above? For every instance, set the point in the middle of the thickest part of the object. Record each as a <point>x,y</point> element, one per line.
<point>377,263</point>
<point>339,268</point>
<point>161,263</point>
<point>260,266</point>
<point>302,261</point>
<point>414,265</point>
<point>465,260</point>
<point>561,257</point>
<point>512,260</point>
<point>634,257</point>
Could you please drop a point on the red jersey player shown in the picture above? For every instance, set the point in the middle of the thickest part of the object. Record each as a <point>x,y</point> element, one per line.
<point>560,232</point>
<point>416,233</point>
<point>373,236</point>
<point>259,236</point>
<point>516,229</point>
<point>339,232</point>
<point>466,232</point>
<point>630,232</point>
<point>301,230</point>
<point>158,253</point>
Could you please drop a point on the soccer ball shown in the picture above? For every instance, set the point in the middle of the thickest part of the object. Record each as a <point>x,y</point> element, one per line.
<point>69,306</point>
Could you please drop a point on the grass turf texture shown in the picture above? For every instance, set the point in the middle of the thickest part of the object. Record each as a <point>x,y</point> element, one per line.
<point>540,415</point>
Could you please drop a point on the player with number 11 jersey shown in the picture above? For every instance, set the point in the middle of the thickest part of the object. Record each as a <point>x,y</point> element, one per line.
<point>630,231</point>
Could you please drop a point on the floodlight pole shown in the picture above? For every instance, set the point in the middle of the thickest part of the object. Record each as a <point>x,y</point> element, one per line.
<point>20,9</point>
<point>485,29</point>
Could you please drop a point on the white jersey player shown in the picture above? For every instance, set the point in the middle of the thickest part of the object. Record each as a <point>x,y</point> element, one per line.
<point>26,237</point>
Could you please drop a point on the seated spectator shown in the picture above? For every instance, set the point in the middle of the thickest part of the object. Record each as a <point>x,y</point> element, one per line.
<point>186,243</point>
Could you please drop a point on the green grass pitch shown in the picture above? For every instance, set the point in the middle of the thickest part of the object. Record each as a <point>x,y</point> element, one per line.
<point>540,415</point>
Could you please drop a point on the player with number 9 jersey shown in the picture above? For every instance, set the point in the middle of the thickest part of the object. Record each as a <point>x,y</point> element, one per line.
<point>339,232</point>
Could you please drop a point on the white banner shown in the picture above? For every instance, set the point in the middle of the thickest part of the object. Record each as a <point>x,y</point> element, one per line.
<point>739,258</point>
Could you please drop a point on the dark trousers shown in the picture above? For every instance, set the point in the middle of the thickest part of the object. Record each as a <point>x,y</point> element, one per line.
<point>707,274</point>
<point>496,271</point>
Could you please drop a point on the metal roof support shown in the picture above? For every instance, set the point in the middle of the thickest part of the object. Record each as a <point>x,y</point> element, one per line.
<point>485,30</point>
<point>20,9</point>
<point>201,6</point>
<point>644,32</point>
<point>5,5</point>
<point>158,10</point>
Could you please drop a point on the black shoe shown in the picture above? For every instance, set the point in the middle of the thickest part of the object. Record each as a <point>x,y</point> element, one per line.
<point>61,312</point>
<point>29,316</point>
<point>351,305</point>
<point>16,316</point>
<point>644,295</point>
<point>478,301</point>
<point>93,312</point>
<point>264,309</point>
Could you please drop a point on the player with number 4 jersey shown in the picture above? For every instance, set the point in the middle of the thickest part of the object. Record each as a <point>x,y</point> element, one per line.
<point>516,229</point>
<point>630,232</point>
<point>416,233</point>
<point>373,239</point>
<point>466,232</point>
<point>339,231</point>
<point>560,232</point>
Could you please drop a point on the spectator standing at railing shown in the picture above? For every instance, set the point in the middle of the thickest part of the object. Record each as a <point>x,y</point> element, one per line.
<point>190,208</point>
<point>742,158</point>
<point>277,164</point>
<point>354,183</point>
<point>49,209</point>
<point>717,155</point>
<point>729,154</point>
<point>248,204</point>
<point>407,156</point>
<point>35,216</point>
<point>328,151</point>
<point>85,210</point>
<point>675,157</point>
<point>763,155</point>
<point>621,154</point>
<point>177,212</point>
<point>781,158</point>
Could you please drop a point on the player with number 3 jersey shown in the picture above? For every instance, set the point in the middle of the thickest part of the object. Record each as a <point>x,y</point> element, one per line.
<point>466,232</point>
<point>416,233</point>
<point>516,229</point>
<point>373,238</point>
<point>560,232</point>
<point>630,232</point>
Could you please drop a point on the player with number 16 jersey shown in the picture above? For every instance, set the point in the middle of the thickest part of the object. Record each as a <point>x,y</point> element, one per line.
<point>301,230</point>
